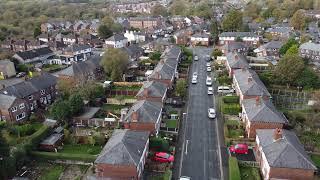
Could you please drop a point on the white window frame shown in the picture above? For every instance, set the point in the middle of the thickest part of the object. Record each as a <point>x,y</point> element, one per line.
<point>30,97</point>
<point>21,106</point>
<point>14,109</point>
<point>42,92</point>
<point>23,115</point>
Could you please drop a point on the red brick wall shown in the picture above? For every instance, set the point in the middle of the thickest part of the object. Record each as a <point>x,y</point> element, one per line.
<point>114,171</point>
<point>140,126</point>
<point>251,131</point>
<point>292,174</point>
<point>154,99</point>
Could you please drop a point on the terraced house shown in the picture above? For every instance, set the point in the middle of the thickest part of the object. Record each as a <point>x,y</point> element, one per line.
<point>153,91</point>
<point>235,61</point>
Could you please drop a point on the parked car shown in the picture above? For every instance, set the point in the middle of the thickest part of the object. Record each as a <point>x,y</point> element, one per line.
<point>210,91</point>
<point>209,81</point>
<point>225,89</point>
<point>211,113</point>
<point>163,157</point>
<point>184,178</point>
<point>21,74</point>
<point>208,69</point>
<point>196,58</point>
<point>195,74</point>
<point>208,64</point>
<point>239,149</point>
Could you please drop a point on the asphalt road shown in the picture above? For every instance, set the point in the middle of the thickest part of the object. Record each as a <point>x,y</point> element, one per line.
<point>200,152</point>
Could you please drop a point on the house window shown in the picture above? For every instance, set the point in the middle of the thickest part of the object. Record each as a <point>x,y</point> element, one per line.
<point>42,92</point>
<point>14,109</point>
<point>20,116</point>
<point>21,106</point>
<point>3,118</point>
<point>41,100</point>
<point>30,97</point>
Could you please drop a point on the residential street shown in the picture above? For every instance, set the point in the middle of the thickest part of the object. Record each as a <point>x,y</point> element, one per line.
<point>199,156</point>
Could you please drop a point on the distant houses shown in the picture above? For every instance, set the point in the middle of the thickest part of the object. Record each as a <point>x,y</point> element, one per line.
<point>34,56</point>
<point>248,38</point>
<point>311,51</point>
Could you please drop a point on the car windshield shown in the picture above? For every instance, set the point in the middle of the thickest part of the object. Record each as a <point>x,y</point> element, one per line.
<point>166,156</point>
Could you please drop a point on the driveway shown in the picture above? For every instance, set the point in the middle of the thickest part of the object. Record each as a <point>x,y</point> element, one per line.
<point>199,155</point>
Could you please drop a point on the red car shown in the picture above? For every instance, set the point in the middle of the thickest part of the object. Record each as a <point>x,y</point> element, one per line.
<point>239,149</point>
<point>163,157</point>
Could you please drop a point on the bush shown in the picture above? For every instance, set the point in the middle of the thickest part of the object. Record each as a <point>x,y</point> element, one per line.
<point>234,171</point>
<point>63,156</point>
<point>231,109</point>
<point>230,99</point>
<point>159,143</point>
<point>224,80</point>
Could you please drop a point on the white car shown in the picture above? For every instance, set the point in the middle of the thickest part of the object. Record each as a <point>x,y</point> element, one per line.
<point>194,80</point>
<point>209,81</point>
<point>195,74</point>
<point>184,178</point>
<point>210,91</point>
<point>208,64</point>
<point>208,69</point>
<point>211,113</point>
<point>225,89</point>
<point>196,58</point>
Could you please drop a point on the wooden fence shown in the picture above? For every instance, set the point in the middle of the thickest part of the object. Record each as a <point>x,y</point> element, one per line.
<point>122,93</point>
<point>249,163</point>
<point>120,102</point>
<point>128,83</point>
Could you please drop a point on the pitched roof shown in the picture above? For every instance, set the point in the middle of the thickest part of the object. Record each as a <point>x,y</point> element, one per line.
<point>147,111</point>
<point>238,34</point>
<point>236,60</point>
<point>250,83</point>
<point>6,101</point>
<point>260,110</point>
<point>116,37</point>
<point>133,50</point>
<point>310,46</point>
<point>200,35</point>
<point>232,46</point>
<point>44,81</point>
<point>286,152</point>
<point>154,88</point>
<point>34,53</point>
<point>125,147</point>
<point>162,71</point>
<point>77,47</point>
<point>273,45</point>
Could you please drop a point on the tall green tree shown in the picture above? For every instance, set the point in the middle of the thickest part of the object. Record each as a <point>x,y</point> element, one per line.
<point>288,69</point>
<point>232,21</point>
<point>60,110</point>
<point>181,88</point>
<point>114,63</point>
<point>298,20</point>
<point>159,10</point>
<point>36,32</point>
<point>283,50</point>
<point>178,7</point>
<point>75,103</point>
<point>104,31</point>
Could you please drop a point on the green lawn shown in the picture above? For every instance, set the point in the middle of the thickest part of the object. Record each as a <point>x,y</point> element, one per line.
<point>81,149</point>
<point>52,173</point>
<point>53,67</point>
<point>316,159</point>
<point>234,172</point>
<point>165,176</point>
<point>172,123</point>
<point>249,173</point>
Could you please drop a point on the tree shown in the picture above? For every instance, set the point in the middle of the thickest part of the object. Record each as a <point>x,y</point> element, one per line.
<point>287,46</point>
<point>75,103</point>
<point>178,7</point>
<point>293,50</point>
<point>298,20</point>
<point>214,29</point>
<point>104,31</point>
<point>216,52</point>
<point>232,21</point>
<point>114,63</point>
<point>288,69</point>
<point>36,32</point>
<point>66,87</point>
<point>91,90</point>
<point>316,98</point>
<point>308,79</point>
<point>60,110</point>
<point>181,90</point>
<point>202,10</point>
<point>155,56</point>
<point>252,10</point>
<point>159,10</point>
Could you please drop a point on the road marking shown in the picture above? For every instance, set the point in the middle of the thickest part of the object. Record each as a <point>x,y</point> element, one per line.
<point>187,142</point>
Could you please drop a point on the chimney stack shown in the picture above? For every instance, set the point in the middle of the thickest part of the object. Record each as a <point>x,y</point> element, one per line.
<point>249,79</point>
<point>277,134</point>
<point>258,101</point>
<point>134,116</point>
<point>145,92</point>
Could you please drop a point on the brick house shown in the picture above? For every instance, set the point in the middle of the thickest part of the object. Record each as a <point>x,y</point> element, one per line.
<point>200,39</point>
<point>84,71</point>
<point>144,22</point>
<point>310,51</point>
<point>282,156</point>
<point>39,91</point>
<point>13,109</point>
<point>271,49</point>
<point>153,91</point>
<point>116,41</point>
<point>280,31</point>
<point>239,47</point>
<point>144,116</point>
<point>34,56</point>
<point>163,73</point>
<point>124,155</point>
<point>181,37</point>
<point>260,114</point>
<point>234,61</point>
<point>75,53</point>
<point>248,85</point>
<point>248,38</point>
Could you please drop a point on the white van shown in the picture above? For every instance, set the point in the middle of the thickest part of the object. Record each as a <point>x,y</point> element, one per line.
<point>225,89</point>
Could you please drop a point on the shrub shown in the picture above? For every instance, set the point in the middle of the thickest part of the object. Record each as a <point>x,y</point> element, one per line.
<point>234,171</point>
<point>230,99</point>
<point>224,80</point>
<point>231,109</point>
<point>159,143</point>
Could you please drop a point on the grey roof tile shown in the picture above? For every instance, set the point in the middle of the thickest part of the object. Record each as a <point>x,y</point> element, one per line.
<point>147,111</point>
<point>154,88</point>
<point>237,60</point>
<point>6,101</point>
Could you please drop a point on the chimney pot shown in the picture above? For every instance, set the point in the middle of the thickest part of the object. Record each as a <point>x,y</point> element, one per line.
<point>258,101</point>
<point>249,79</point>
<point>277,134</point>
<point>134,116</point>
<point>145,92</point>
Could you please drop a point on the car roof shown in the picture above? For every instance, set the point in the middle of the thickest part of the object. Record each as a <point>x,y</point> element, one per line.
<point>242,145</point>
<point>212,110</point>
<point>161,153</point>
<point>210,88</point>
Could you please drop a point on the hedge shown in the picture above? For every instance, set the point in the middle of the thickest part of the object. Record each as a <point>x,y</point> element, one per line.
<point>231,109</point>
<point>234,171</point>
<point>63,156</point>
<point>231,99</point>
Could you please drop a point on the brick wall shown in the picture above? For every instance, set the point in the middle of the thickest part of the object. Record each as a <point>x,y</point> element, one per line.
<point>292,174</point>
<point>140,126</point>
<point>251,130</point>
<point>116,171</point>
